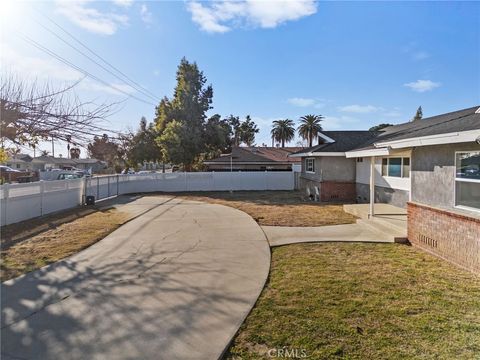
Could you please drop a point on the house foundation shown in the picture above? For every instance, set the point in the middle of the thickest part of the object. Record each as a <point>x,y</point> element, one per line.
<point>450,235</point>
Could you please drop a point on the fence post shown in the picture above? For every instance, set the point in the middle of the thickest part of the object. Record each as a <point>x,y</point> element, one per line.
<point>266,180</point>
<point>42,191</point>
<point>6,196</point>
<point>213,180</point>
<point>186,186</point>
<point>108,186</point>
<point>117,184</point>
<point>98,188</point>
<point>84,186</point>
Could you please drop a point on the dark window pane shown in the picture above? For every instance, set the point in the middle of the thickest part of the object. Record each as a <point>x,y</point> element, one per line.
<point>468,165</point>
<point>395,167</point>
<point>406,167</point>
<point>468,194</point>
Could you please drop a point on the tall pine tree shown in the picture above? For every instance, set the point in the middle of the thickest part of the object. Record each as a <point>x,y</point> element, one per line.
<point>418,114</point>
<point>180,121</point>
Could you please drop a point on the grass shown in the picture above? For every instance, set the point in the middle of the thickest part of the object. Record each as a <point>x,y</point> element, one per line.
<point>277,208</point>
<point>363,301</point>
<point>31,244</point>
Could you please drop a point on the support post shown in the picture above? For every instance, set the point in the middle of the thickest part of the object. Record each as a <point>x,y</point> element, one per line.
<point>42,192</point>
<point>371,212</point>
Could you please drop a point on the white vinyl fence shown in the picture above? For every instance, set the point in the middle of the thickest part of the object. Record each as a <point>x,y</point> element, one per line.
<point>25,201</point>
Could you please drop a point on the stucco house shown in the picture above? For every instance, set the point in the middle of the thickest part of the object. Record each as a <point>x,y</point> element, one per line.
<point>43,163</point>
<point>256,158</point>
<point>429,166</point>
<point>20,162</point>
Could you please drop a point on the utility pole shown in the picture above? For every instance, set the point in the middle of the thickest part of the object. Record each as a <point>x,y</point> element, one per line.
<point>53,148</point>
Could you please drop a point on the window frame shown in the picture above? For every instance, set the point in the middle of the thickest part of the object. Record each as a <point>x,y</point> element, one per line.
<point>307,166</point>
<point>465,180</point>
<point>402,164</point>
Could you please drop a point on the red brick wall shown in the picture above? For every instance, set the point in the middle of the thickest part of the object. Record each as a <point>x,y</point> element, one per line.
<point>451,236</point>
<point>338,191</point>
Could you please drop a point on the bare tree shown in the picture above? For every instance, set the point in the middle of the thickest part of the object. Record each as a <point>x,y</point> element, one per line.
<point>33,112</point>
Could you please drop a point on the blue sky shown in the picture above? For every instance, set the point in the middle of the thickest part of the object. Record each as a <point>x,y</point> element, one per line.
<point>356,63</point>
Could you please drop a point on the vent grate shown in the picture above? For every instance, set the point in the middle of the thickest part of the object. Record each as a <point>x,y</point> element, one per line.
<point>427,240</point>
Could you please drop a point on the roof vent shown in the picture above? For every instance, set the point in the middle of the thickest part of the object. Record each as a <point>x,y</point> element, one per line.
<point>478,111</point>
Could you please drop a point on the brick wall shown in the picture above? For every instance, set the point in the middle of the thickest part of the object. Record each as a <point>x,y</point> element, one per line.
<point>338,191</point>
<point>452,236</point>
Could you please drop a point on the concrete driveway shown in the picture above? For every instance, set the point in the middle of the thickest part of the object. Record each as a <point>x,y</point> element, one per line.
<point>174,283</point>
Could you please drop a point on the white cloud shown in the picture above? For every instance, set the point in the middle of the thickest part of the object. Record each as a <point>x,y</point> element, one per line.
<point>123,3</point>
<point>222,16</point>
<point>145,14</point>
<point>340,123</point>
<point>33,67</point>
<point>49,70</point>
<point>306,102</point>
<point>82,14</point>
<point>420,55</point>
<point>302,102</point>
<point>393,113</point>
<point>359,109</point>
<point>422,85</point>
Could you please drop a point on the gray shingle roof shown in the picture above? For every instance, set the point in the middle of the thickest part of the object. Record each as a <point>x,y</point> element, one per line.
<point>461,120</point>
<point>258,154</point>
<point>344,141</point>
<point>456,121</point>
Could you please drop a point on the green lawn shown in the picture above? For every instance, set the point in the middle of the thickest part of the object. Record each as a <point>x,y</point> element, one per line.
<point>363,301</point>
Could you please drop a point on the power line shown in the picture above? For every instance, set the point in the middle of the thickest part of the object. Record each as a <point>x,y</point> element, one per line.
<point>138,88</point>
<point>100,57</point>
<point>84,72</point>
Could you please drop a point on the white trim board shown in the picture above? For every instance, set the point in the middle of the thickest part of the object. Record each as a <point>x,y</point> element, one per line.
<point>316,154</point>
<point>326,138</point>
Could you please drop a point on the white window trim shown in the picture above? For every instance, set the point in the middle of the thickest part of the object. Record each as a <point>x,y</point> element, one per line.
<point>306,165</point>
<point>401,167</point>
<point>455,179</point>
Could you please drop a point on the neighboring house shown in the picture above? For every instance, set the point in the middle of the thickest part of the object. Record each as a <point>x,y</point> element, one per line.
<point>49,162</point>
<point>20,162</point>
<point>86,164</point>
<point>43,163</point>
<point>430,166</point>
<point>256,159</point>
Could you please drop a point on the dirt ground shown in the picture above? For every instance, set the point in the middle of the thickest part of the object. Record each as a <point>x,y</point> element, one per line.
<point>278,208</point>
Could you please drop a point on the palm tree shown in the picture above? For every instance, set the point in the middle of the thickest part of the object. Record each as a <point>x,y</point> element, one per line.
<point>283,131</point>
<point>310,127</point>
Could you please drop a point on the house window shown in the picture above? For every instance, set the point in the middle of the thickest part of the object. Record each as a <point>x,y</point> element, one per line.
<point>467,179</point>
<point>18,166</point>
<point>396,167</point>
<point>310,165</point>
<point>359,159</point>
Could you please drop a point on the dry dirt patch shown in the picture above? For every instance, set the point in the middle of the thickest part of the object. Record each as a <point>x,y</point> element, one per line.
<point>31,244</point>
<point>278,208</point>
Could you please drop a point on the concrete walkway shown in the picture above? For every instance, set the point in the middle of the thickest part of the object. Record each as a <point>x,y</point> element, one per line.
<point>174,283</point>
<point>284,235</point>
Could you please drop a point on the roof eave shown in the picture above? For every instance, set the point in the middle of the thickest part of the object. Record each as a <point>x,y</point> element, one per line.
<point>439,139</point>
